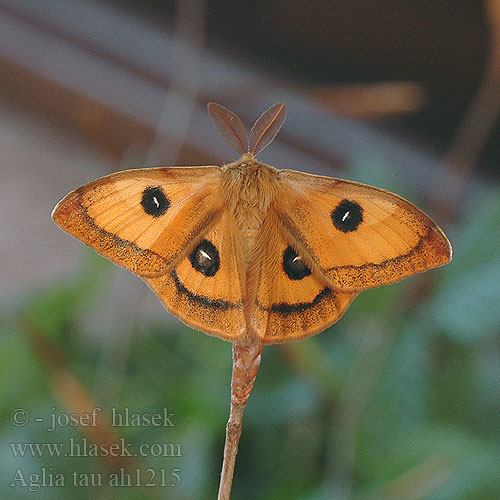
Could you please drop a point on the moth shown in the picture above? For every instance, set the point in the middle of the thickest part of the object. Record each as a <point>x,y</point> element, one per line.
<point>247,252</point>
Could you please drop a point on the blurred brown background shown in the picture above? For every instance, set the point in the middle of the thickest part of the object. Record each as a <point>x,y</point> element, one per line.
<point>400,399</point>
<point>444,46</point>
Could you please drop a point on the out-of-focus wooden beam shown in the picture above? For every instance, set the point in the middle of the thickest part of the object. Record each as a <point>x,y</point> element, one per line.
<point>106,128</point>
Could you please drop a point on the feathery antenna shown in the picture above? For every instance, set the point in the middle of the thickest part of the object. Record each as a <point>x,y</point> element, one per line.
<point>230,127</point>
<point>266,128</point>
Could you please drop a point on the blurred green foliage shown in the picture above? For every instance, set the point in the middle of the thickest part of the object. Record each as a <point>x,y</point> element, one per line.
<point>400,400</point>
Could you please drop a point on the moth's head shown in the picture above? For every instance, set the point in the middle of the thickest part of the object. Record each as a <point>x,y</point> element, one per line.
<point>235,135</point>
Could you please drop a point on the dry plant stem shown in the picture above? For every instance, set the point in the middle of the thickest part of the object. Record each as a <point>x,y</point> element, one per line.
<point>246,360</point>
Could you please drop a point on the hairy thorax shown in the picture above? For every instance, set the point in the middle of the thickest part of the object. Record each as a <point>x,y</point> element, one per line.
<point>249,188</point>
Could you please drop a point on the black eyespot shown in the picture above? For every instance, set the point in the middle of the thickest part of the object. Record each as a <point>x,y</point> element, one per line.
<point>347,216</point>
<point>294,266</point>
<point>154,201</point>
<point>205,258</point>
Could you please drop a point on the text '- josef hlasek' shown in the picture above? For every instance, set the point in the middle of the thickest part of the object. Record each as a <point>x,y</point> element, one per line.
<point>119,418</point>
